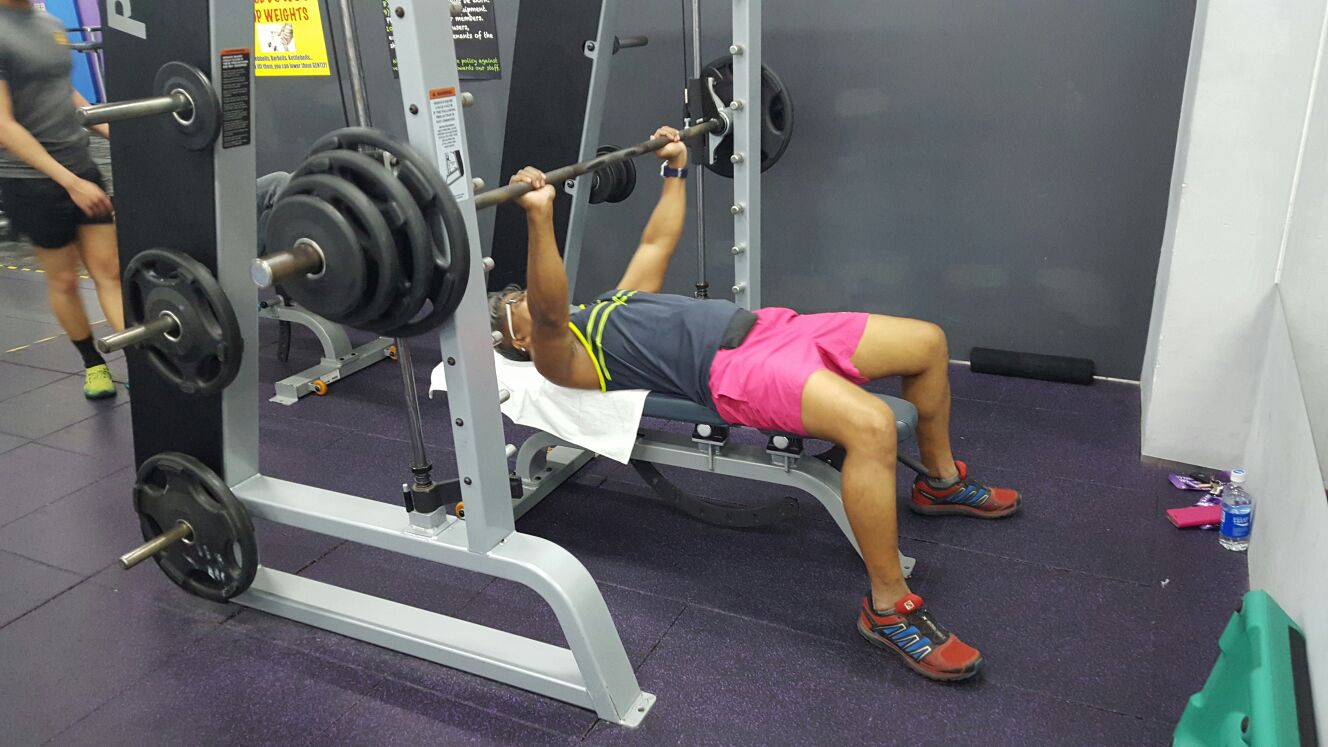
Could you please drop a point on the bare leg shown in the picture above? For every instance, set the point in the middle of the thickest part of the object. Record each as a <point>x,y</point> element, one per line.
<point>100,251</point>
<point>834,409</point>
<point>916,351</point>
<point>62,269</point>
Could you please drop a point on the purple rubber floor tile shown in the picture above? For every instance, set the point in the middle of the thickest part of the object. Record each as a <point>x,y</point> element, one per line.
<point>358,464</point>
<point>83,532</point>
<point>968,385</point>
<point>33,476</point>
<point>146,584</point>
<point>1084,446</point>
<point>400,578</point>
<point>290,549</point>
<point>632,540</point>
<point>401,714</point>
<point>9,443</point>
<point>642,619</point>
<point>723,680</point>
<point>107,434</point>
<point>56,355</point>
<point>1106,399</point>
<point>28,334</point>
<point>371,401</point>
<point>255,692</point>
<point>80,650</point>
<point>25,585</point>
<point>1061,523</point>
<point>16,379</point>
<point>1068,635</point>
<point>46,410</point>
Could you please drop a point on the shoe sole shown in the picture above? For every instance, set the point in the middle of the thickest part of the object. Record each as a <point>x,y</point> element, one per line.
<point>874,640</point>
<point>954,509</point>
<point>106,395</point>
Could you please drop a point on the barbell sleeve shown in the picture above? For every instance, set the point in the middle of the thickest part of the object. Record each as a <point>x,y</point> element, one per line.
<point>180,531</point>
<point>301,259</point>
<point>558,176</point>
<point>118,111</point>
<point>139,333</point>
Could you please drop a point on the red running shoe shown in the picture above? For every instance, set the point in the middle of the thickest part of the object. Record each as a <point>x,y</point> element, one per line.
<point>964,498</point>
<point>924,645</point>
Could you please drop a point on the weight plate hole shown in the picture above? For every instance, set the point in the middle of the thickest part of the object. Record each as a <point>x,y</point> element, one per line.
<point>180,116</point>
<point>179,328</point>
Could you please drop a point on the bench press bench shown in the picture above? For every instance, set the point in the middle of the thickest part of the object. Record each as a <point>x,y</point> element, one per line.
<point>545,462</point>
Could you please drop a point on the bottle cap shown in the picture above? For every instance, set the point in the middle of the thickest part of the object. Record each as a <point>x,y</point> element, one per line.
<point>1237,477</point>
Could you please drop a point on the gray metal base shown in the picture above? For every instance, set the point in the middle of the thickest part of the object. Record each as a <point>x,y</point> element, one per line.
<point>593,672</point>
<point>545,461</point>
<point>339,359</point>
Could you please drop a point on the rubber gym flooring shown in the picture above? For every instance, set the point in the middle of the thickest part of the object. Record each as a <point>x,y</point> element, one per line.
<point>1096,617</point>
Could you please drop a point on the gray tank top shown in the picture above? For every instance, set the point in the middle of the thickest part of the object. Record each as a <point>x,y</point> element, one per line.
<point>658,341</point>
<point>36,64</point>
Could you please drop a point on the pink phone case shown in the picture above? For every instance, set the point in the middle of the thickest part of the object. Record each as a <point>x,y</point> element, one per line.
<point>1195,516</point>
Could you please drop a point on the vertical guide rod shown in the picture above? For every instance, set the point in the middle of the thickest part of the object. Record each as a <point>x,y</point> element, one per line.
<point>420,465</point>
<point>702,285</point>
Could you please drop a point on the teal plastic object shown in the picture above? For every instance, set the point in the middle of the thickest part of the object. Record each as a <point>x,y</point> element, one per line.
<point>1258,693</point>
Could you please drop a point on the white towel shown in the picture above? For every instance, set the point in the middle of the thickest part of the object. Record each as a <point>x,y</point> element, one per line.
<point>603,422</point>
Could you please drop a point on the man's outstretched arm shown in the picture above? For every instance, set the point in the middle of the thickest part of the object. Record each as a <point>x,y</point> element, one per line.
<point>552,345</point>
<point>650,264</point>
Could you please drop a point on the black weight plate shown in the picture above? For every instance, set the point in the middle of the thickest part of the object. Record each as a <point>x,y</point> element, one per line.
<point>220,557</point>
<point>384,280</point>
<point>338,291</point>
<point>451,239</point>
<point>776,115</point>
<point>205,355</point>
<point>198,127</point>
<point>403,215</point>
<point>627,183</point>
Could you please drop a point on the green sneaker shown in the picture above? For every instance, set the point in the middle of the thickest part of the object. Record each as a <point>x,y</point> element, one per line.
<point>97,383</point>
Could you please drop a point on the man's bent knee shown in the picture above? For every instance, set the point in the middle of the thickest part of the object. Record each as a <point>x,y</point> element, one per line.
<point>874,429</point>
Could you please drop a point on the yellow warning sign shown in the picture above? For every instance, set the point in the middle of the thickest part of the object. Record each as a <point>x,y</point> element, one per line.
<point>289,38</point>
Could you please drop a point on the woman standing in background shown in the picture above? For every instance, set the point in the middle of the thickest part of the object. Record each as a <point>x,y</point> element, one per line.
<point>52,190</point>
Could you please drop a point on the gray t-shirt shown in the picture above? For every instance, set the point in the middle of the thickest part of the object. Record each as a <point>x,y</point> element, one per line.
<point>659,341</point>
<point>35,62</point>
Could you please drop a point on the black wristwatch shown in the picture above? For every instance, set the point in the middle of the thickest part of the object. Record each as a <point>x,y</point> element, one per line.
<point>667,171</point>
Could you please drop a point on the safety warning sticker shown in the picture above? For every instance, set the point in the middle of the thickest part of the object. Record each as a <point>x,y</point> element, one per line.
<point>446,112</point>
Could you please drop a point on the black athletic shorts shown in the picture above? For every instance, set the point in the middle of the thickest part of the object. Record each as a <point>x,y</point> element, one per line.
<point>43,211</point>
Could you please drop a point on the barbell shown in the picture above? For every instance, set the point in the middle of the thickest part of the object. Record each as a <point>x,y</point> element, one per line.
<point>308,260</point>
<point>183,92</point>
<point>353,246</point>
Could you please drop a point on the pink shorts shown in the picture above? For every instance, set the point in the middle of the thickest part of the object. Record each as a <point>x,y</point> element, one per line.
<point>759,383</point>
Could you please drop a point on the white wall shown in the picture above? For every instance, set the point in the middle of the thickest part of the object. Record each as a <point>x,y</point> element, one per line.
<point>1242,125</point>
<point>1289,547</point>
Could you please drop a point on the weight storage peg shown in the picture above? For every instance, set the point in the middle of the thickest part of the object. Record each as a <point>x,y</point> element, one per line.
<point>183,92</point>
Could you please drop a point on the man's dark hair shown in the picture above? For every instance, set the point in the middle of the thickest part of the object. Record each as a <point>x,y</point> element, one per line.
<point>498,323</point>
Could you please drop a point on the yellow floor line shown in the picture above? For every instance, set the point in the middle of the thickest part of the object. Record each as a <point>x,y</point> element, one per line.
<point>44,339</point>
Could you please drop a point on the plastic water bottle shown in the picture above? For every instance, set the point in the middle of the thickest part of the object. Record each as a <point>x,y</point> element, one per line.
<point>1237,514</point>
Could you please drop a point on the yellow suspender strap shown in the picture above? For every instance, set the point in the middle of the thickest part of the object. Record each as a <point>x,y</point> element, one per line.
<point>586,344</point>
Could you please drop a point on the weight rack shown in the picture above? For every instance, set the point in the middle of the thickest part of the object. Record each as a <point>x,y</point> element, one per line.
<point>201,203</point>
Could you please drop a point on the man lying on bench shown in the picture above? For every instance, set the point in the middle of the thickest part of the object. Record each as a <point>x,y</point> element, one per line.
<point>772,370</point>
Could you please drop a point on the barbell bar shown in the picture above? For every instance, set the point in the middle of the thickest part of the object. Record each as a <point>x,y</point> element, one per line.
<point>271,269</point>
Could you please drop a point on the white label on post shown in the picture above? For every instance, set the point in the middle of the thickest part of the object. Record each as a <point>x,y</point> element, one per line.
<point>445,109</point>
